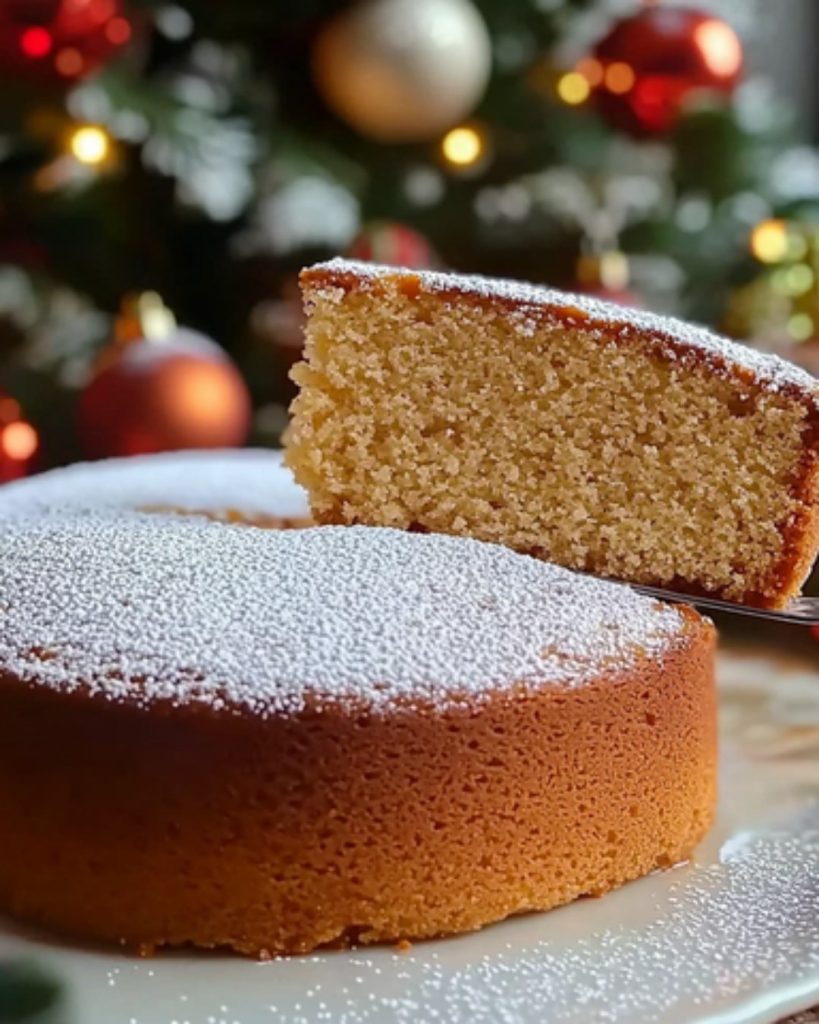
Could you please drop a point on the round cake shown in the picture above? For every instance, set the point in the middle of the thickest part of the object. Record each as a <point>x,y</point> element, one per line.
<point>237,485</point>
<point>276,740</point>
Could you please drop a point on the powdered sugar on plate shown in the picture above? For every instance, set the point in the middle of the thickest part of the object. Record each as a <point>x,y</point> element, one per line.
<point>146,608</point>
<point>532,304</point>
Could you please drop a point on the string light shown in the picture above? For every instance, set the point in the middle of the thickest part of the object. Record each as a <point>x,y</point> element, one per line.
<point>90,144</point>
<point>793,281</point>
<point>19,441</point>
<point>619,78</point>
<point>69,62</point>
<point>65,39</point>
<point>36,42</point>
<point>801,279</point>
<point>573,88</point>
<point>118,31</point>
<point>769,241</point>
<point>801,326</point>
<point>463,146</point>
<point>591,69</point>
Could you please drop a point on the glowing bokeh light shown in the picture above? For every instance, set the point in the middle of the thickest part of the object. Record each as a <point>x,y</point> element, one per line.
<point>118,31</point>
<point>463,146</point>
<point>801,327</point>
<point>591,69</point>
<point>19,440</point>
<point>620,78</point>
<point>573,88</point>
<point>69,62</point>
<point>90,144</point>
<point>720,47</point>
<point>36,42</point>
<point>769,241</point>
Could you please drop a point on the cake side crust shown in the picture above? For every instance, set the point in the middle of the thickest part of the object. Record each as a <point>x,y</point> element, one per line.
<point>188,826</point>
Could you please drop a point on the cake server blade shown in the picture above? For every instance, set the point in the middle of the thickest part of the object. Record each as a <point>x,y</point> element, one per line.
<point>802,611</point>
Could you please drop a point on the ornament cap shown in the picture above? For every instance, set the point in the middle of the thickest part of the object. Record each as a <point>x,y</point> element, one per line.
<point>607,270</point>
<point>143,315</point>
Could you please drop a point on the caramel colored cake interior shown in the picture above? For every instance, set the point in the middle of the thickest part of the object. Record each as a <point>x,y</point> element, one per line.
<point>275,740</point>
<point>605,440</point>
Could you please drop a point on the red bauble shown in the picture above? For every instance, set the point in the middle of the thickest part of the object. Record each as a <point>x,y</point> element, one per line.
<point>19,442</point>
<point>60,41</point>
<point>650,63</point>
<point>385,241</point>
<point>180,391</point>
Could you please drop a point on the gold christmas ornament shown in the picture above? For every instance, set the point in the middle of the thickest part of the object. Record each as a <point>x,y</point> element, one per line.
<point>403,70</point>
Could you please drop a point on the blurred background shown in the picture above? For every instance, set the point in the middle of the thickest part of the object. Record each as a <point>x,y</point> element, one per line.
<point>167,167</point>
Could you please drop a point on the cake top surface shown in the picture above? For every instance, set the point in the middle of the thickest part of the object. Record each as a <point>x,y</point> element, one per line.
<point>529,301</point>
<point>150,608</point>
<point>245,480</point>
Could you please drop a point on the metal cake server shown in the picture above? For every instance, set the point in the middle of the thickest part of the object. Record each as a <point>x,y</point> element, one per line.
<point>802,611</point>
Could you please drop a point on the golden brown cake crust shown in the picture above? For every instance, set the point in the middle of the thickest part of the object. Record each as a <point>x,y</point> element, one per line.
<point>622,326</point>
<point>752,374</point>
<point>182,825</point>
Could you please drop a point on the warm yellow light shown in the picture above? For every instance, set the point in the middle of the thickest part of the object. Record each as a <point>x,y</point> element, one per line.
<point>573,88</point>
<point>721,49</point>
<point>591,69</point>
<point>619,78</point>
<point>769,241</point>
<point>19,440</point>
<point>801,327</point>
<point>797,246</point>
<point>90,145</point>
<point>463,146</point>
<point>800,279</point>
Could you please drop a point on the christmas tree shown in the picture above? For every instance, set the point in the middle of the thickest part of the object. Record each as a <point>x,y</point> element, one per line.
<point>204,152</point>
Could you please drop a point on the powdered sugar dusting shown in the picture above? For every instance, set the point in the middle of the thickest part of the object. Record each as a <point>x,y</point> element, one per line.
<point>254,482</point>
<point>152,608</point>
<point>535,304</point>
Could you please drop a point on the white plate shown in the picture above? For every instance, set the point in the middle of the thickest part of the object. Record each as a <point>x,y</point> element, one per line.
<point>732,938</point>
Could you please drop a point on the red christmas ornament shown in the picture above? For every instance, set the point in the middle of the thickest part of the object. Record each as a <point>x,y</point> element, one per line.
<point>60,41</point>
<point>160,388</point>
<point>391,242</point>
<point>650,63</point>
<point>19,442</point>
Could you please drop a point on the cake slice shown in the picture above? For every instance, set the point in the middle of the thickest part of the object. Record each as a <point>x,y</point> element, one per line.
<point>607,440</point>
